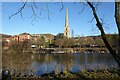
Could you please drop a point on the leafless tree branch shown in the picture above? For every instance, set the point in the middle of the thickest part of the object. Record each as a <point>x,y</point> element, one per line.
<point>35,5</point>
<point>19,11</point>
<point>91,20</point>
<point>48,12</point>
<point>21,15</point>
<point>103,35</point>
<point>83,8</point>
<point>62,6</point>
<point>97,4</point>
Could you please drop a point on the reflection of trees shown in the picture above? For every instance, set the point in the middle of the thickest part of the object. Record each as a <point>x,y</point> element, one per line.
<point>86,59</point>
<point>43,58</point>
<point>65,59</point>
<point>68,60</point>
<point>59,58</point>
<point>17,61</point>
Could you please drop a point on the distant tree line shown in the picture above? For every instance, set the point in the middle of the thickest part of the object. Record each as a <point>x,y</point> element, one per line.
<point>60,41</point>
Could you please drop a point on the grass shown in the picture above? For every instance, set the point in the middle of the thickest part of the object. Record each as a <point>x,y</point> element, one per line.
<point>104,74</point>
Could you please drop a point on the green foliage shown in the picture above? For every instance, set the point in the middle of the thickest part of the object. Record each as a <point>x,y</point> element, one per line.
<point>100,74</point>
<point>83,75</point>
<point>60,36</point>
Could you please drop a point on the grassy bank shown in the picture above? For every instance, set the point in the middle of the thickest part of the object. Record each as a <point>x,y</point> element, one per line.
<point>82,75</point>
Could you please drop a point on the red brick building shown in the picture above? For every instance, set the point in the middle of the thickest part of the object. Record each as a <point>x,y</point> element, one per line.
<point>24,36</point>
<point>15,37</point>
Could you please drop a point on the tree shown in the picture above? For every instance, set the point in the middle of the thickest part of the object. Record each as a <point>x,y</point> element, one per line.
<point>40,41</point>
<point>117,18</point>
<point>59,42</point>
<point>3,43</point>
<point>98,23</point>
<point>72,42</point>
<point>60,36</point>
<point>69,42</point>
<point>26,44</point>
<point>103,34</point>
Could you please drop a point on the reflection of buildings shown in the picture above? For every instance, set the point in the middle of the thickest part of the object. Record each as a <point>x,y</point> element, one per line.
<point>66,28</point>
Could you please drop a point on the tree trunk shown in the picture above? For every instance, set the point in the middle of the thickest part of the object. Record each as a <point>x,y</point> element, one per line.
<point>117,18</point>
<point>100,27</point>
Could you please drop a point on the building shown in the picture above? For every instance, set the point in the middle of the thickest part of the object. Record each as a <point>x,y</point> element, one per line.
<point>6,39</point>
<point>24,36</point>
<point>34,37</point>
<point>15,38</point>
<point>66,28</point>
<point>48,37</point>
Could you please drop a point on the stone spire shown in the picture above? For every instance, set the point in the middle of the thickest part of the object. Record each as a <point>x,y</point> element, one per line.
<point>66,19</point>
<point>66,28</point>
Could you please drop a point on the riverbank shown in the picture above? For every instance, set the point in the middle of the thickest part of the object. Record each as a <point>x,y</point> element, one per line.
<point>70,50</point>
<point>105,74</point>
<point>18,64</point>
<point>62,50</point>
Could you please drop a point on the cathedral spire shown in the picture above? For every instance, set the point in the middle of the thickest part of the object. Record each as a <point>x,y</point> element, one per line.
<point>66,20</point>
<point>66,28</point>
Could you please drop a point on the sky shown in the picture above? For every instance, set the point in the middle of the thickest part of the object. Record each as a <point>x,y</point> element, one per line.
<point>79,23</point>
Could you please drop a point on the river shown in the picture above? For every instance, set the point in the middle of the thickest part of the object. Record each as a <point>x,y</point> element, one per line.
<point>38,64</point>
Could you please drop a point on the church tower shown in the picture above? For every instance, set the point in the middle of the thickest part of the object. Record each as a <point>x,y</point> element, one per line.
<point>66,28</point>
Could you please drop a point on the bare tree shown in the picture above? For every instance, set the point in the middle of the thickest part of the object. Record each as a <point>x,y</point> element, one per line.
<point>36,11</point>
<point>117,18</point>
<point>59,42</point>
<point>98,22</point>
<point>103,34</point>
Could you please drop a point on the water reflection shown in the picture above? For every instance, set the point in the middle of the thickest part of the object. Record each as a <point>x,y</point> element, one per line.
<point>46,63</point>
<point>16,62</point>
<point>37,64</point>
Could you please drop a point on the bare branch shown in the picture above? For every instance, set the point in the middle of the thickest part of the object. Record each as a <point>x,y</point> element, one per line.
<point>102,20</point>
<point>97,4</point>
<point>35,5</point>
<point>91,20</point>
<point>21,15</point>
<point>83,8</point>
<point>20,10</point>
<point>48,12</point>
<point>62,6</point>
<point>35,17</point>
<point>100,27</point>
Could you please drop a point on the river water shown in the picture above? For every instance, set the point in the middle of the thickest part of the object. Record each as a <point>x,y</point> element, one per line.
<point>46,63</point>
<point>38,64</point>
